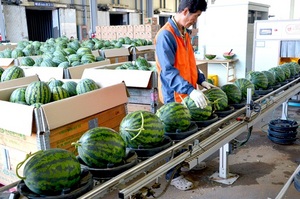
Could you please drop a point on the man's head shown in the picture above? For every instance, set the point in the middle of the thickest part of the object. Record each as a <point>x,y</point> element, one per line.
<point>190,10</point>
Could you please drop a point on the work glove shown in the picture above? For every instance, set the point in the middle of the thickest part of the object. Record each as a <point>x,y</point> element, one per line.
<point>199,98</point>
<point>207,85</point>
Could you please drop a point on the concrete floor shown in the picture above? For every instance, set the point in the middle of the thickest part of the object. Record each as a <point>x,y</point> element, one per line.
<point>262,165</point>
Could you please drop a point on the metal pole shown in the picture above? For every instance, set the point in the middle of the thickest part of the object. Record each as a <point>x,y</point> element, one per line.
<point>149,8</point>
<point>93,15</point>
<point>223,164</point>
<point>2,23</point>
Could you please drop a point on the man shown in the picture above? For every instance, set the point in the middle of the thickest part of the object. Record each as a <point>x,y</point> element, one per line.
<point>176,65</point>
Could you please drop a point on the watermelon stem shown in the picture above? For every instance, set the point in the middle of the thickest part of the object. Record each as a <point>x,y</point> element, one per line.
<point>21,164</point>
<point>139,129</point>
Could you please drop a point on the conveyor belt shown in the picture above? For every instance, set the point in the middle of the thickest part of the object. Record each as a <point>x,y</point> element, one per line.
<point>201,145</point>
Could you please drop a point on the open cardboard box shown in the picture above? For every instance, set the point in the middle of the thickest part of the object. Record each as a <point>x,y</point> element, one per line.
<point>8,45</point>
<point>21,119</point>
<point>6,62</point>
<point>18,82</point>
<point>106,75</point>
<point>115,52</point>
<point>46,73</point>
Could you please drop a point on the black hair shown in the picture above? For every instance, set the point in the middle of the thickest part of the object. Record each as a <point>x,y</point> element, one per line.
<point>192,5</point>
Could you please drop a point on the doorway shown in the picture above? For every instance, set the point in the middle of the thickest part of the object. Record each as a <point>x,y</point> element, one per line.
<point>39,24</point>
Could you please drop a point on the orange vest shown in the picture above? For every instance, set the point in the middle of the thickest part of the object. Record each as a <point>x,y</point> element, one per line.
<point>184,61</point>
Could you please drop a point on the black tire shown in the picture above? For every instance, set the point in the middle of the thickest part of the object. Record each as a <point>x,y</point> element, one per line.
<point>297,181</point>
<point>277,134</point>
<point>285,141</point>
<point>280,125</point>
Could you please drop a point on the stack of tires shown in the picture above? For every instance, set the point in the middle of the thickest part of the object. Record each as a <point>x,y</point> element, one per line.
<point>282,131</point>
<point>297,181</point>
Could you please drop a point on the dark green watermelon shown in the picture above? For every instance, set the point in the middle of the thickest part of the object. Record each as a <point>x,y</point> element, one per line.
<point>198,114</point>
<point>142,129</point>
<point>259,79</point>
<point>217,97</point>
<point>175,117</point>
<point>243,84</point>
<point>233,93</point>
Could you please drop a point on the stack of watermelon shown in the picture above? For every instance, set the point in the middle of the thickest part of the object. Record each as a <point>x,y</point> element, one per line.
<point>40,92</point>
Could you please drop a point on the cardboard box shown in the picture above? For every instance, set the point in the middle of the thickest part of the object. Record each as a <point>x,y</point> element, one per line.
<point>24,129</point>
<point>46,73</point>
<point>8,46</point>
<point>116,52</point>
<point>106,75</point>
<point>6,62</point>
<point>18,82</point>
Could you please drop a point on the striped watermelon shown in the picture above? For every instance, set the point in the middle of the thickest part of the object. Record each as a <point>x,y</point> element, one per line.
<point>38,92</point>
<point>278,73</point>
<point>243,84</point>
<point>13,72</point>
<point>27,61</point>
<point>175,116</point>
<point>54,82</point>
<point>198,114</point>
<point>271,78</point>
<point>142,129</point>
<point>292,68</point>
<point>259,79</point>
<point>286,70</point>
<point>70,86</point>
<point>86,85</point>
<point>1,72</point>
<point>51,171</point>
<point>18,95</point>
<point>58,93</point>
<point>218,98</point>
<point>101,146</point>
<point>233,93</point>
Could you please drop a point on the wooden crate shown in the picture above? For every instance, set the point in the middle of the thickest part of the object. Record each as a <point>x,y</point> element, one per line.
<point>14,147</point>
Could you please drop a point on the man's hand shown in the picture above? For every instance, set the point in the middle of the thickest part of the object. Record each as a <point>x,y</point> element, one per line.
<point>199,98</point>
<point>207,85</point>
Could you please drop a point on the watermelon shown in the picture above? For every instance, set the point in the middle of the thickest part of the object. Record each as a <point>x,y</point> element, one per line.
<point>259,79</point>
<point>175,116</point>
<point>58,93</point>
<point>18,95</point>
<point>233,93</point>
<point>286,70</point>
<point>13,72</point>
<point>101,146</point>
<point>54,82</point>
<point>27,61</point>
<point>49,172</point>
<point>243,84</point>
<point>142,129</point>
<point>271,78</point>
<point>83,50</point>
<point>86,85</point>
<point>278,73</point>
<point>217,97</point>
<point>1,72</point>
<point>70,86</point>
<point>198,114</point>
<point>292,69</point>
<point>37,92</point>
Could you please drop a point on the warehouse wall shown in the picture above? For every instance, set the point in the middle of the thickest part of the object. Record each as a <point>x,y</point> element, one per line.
<point>15,23</point>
